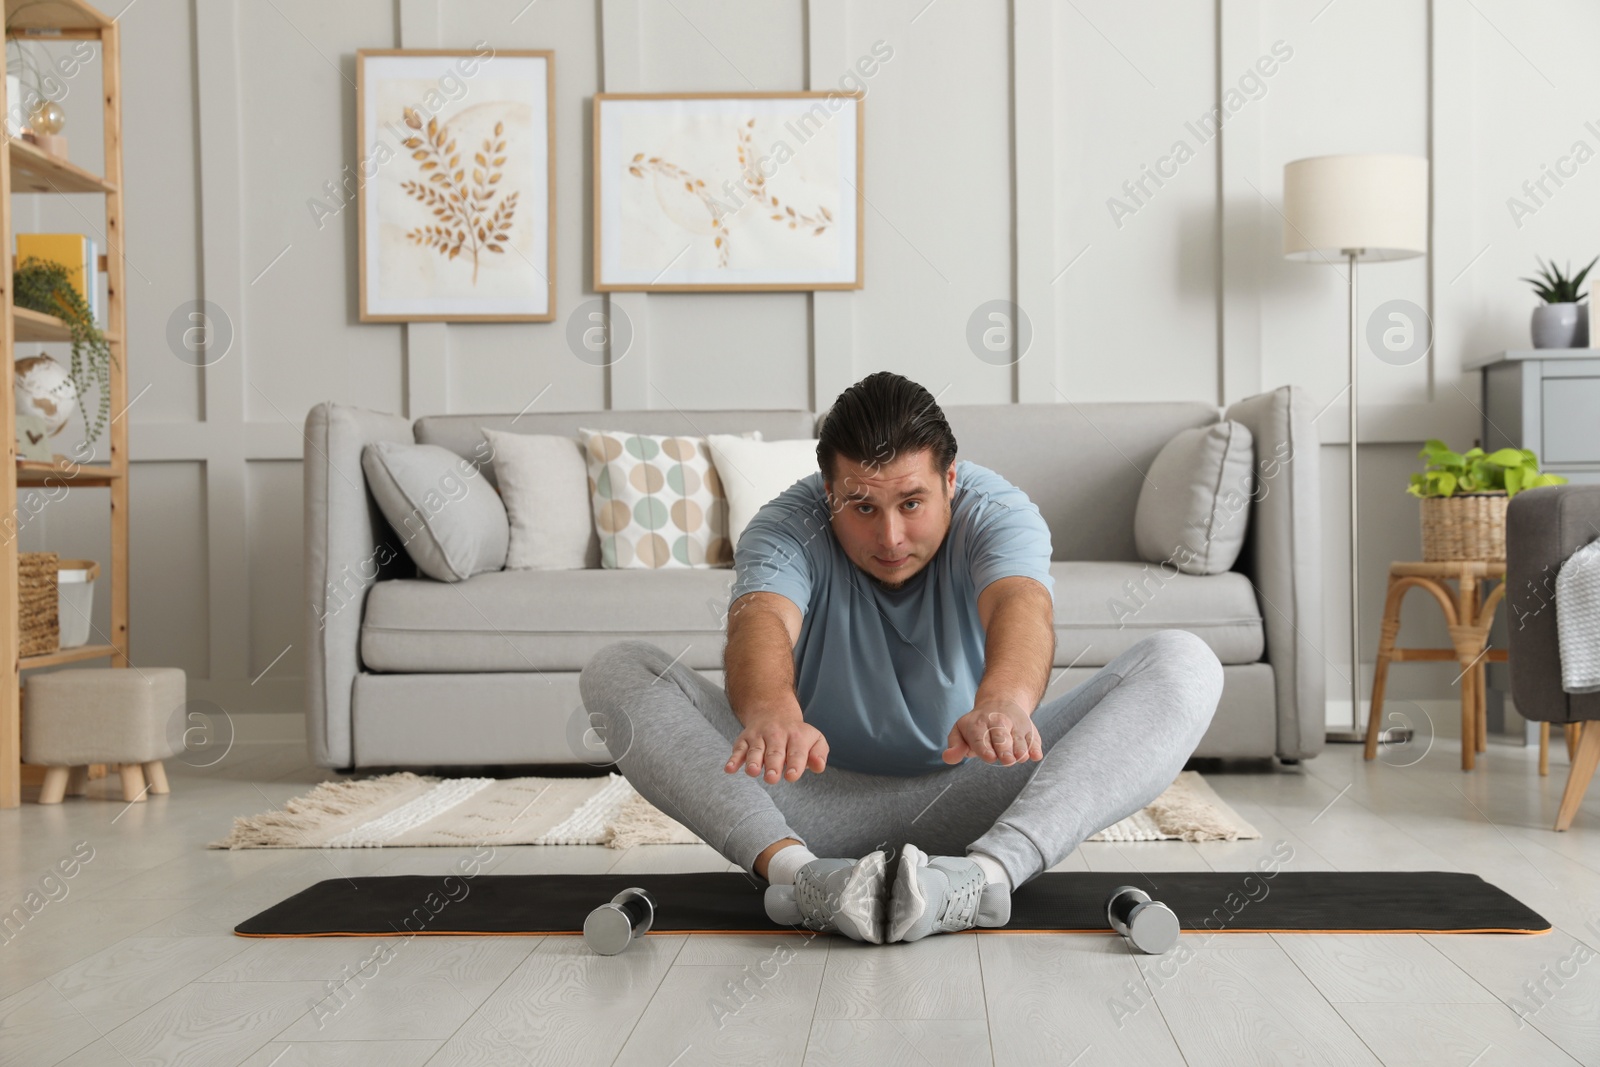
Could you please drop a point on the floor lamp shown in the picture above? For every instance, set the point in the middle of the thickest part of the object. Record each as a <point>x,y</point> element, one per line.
<point>1354,208</point>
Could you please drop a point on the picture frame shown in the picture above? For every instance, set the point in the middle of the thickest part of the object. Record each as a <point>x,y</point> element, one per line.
<point>472,242</point>
<point>728,192</point>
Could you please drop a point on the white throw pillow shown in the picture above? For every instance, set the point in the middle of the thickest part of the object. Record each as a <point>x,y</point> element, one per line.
<point>449,518</point>
<point>658,502</point>
<point>754,472</point>
<point>544,482</point>
<point>1194,505</point>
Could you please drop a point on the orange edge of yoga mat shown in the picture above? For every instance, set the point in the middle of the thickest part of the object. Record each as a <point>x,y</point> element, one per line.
<point>975,930</point>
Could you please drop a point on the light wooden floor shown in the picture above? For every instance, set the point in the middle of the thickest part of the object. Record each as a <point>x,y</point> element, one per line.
<point>131,961</point>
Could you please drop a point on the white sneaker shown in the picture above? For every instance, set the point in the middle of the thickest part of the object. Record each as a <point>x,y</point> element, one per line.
<point>835,896</point>
<point>942,894</point>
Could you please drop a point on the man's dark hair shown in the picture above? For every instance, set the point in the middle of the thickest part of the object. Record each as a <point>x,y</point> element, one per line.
<point>881,417</point>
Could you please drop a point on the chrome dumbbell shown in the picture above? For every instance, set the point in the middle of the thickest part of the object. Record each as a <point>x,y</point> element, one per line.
<point>1148,925</point>
<point>613,926</point>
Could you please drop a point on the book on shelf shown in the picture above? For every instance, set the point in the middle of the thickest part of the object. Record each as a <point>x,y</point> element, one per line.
<point>76,252</point>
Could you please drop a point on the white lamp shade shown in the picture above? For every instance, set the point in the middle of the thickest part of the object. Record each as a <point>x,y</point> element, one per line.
<point>1376,205</point>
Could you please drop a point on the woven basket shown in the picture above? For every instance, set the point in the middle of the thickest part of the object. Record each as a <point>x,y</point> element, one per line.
<point>1464,526</point>
<point>38,602</point>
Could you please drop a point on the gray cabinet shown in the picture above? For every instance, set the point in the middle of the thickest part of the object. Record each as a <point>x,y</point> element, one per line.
<point>1546,399</point>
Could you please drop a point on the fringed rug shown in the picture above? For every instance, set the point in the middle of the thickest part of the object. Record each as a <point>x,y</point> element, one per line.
<point>406,809</point>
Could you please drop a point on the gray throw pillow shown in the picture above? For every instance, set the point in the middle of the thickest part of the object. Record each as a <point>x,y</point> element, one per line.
<point>447,515</point>
<point>1194,505</point>
<point>544,481</point>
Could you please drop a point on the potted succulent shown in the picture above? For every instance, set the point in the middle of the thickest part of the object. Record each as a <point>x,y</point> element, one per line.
<point>1562,321</point>
<point>1464,497</point>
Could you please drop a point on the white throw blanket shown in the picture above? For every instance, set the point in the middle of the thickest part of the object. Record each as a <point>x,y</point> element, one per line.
<point>1578,619</point>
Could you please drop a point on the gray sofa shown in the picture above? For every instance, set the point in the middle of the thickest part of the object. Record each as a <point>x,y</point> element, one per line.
<point>408,671</point>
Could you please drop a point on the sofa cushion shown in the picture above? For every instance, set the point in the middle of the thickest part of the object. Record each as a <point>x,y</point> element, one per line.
<point>556,620</point>
<point>754,472</point>
<point>1194,504</point>
<point>544,482</point>
<point>658,502</point>
<point>543,620</point>
<point>450,520</point>
<point>1103,607</point>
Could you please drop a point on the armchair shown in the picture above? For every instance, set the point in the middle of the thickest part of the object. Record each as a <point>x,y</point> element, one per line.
<point>1543,528</point>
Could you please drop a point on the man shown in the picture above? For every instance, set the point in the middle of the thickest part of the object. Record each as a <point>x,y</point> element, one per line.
<point>891,618</point>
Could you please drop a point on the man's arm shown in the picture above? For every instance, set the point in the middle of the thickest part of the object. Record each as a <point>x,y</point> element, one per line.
<point>758,669</point>
<point>758,660</point>
<point>1019,647</point>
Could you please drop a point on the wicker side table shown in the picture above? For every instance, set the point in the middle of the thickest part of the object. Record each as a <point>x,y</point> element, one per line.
<point>1468,615</point>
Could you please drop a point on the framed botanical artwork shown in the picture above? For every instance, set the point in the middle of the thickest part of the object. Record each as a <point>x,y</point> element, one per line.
<point>727,191</point>
<point>456,186</point>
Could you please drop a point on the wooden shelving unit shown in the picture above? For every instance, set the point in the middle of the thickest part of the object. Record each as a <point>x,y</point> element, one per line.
<point>36,171</point>
<point>24,168</point>
<point>31,325</point>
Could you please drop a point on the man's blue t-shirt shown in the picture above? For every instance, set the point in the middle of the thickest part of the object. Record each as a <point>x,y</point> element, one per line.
<point>885,674</point>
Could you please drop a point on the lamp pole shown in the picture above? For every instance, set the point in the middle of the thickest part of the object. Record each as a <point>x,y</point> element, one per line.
<point>1355,733</point>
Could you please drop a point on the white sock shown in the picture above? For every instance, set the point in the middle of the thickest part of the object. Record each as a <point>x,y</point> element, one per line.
<point>786,862</point>
<point>993,873</point>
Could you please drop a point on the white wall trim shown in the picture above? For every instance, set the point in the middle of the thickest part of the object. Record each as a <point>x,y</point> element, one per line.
<point>622,71</point>
<point>1035,181</point>
<point>427,344</point>
<point>833,323</point>
<point>1452,189</point>
<point>1240,230</point>
<point>427,369</point>
<point>219,144</point>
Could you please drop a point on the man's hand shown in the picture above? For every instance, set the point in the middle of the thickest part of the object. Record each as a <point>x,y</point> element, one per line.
<point>778,745</point>
<point>995,731</point>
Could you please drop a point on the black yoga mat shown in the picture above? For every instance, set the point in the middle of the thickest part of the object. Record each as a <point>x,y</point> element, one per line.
<point>1054,902</point>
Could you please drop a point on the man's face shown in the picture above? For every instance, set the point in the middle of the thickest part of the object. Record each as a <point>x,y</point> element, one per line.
<point>891,517</point>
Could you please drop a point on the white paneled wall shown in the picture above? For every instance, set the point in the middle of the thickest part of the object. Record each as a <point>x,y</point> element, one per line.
<point>1129,239</point>
<point>1025,151</point>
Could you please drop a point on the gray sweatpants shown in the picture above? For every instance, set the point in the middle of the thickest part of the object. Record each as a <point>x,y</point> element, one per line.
<point>1111,746</point>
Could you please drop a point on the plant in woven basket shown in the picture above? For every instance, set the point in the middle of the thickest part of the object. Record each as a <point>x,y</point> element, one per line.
<point>465,220</point>
<point>1507,470</point>
<point>41,285</point>
<point>1554,287</point>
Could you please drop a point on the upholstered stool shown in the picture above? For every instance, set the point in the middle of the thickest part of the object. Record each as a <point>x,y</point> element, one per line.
<point>124,716</point>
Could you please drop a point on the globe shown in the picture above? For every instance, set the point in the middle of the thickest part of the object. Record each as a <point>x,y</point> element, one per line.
<point>44,388</point>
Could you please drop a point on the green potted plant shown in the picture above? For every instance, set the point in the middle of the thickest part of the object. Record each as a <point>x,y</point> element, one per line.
<point>1562,321</point>
<point>1464,497</point>
<point>40,285</point>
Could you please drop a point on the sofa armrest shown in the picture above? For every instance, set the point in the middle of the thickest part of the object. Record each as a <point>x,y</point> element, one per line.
<point>1282,557</point>
<point>1544,527</point>
<point>348,547</point>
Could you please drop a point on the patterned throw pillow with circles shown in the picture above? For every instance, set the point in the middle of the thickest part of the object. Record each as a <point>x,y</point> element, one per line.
<point>657,500</point>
